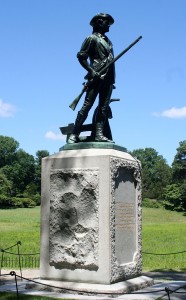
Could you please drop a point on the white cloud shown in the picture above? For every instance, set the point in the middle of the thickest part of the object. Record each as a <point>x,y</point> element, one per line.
<point>6,109</point>
<point>173,113</point>
<point>54,136</point>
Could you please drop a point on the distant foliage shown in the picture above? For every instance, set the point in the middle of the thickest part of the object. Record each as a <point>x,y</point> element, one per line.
<point>5,191</point>
<point>152,203</point>
<point>162,182</point>
<point>20,175</point>
<point>156,173</point>
<point>175,194</point>
<point>179,164</point>
<point>8,149</point>
<point>22,202</point>
<point>173,197</point>
<point>39,155</point>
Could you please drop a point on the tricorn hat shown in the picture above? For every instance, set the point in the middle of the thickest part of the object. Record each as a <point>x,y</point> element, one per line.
<point>103,17</point>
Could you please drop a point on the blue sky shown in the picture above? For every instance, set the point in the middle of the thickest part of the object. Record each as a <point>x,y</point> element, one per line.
<point>40,74</point>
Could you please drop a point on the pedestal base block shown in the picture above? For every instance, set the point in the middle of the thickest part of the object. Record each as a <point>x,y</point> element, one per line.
<point>91,216</point>
<point>111,290</point>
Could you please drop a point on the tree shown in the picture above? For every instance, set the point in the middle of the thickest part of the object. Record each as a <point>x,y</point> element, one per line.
<point>178,202</point>
<point>8,148</point>
<point>5,191</point>
<point>183,194</point>
<point>31,193</point>
<point>175,197</point>
<point>156,173</point>
<point>39,155</point>
<point>172,197</point>
<point>21,172</point>
<point>179,163</point>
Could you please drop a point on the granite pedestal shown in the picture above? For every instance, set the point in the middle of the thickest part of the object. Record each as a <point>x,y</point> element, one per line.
<point>91,215</point>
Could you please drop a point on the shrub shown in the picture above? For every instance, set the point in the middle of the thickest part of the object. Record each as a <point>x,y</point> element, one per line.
<point>37,199</point>
<point>173,197</point>
<point>23,202</point>
<point>151,203</point>
<point>5,201</point>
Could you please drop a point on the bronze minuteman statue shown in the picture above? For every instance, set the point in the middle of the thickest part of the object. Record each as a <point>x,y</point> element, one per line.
<point>97,58</point>
<point>96,48</point>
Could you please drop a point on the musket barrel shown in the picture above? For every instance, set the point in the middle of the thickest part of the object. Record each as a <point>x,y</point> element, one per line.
<point>120,54</point>
<point>130,46</point>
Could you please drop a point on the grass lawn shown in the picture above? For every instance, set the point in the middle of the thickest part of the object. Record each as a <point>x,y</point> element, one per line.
<point>163,232</point>
<point>21,224</point>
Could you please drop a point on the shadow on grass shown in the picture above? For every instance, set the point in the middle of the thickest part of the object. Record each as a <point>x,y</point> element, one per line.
<point>170,274</point>
<point>8,207</point>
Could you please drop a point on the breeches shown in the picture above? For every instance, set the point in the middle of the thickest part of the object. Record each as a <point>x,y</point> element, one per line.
<point>104,89</point>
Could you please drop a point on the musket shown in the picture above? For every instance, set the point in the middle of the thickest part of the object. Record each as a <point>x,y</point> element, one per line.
<point>90,81</point>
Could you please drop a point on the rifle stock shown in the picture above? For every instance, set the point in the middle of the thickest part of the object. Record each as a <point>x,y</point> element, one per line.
<point>76,100</point>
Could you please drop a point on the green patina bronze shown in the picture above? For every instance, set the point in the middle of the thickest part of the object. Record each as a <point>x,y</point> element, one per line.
<point>92,145</point>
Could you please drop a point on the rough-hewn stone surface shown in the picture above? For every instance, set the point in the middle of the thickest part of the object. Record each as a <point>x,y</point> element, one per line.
<point>74,224</point>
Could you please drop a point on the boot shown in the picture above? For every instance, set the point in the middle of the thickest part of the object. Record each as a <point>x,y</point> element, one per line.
<point>74,136</point>
<point>99,134</point>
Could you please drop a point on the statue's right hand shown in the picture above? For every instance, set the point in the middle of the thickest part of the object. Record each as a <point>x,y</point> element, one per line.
<point>94,74</point>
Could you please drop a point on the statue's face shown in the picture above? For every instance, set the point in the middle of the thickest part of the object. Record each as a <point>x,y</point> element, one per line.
<point>104,25</point>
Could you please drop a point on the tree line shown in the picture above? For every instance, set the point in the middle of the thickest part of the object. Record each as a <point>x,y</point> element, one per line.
<point>161,182</point>
<point>20,176</point>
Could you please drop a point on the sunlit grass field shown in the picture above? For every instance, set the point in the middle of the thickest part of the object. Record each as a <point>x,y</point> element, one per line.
<point>21,224</point>
<point>164,232</point>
